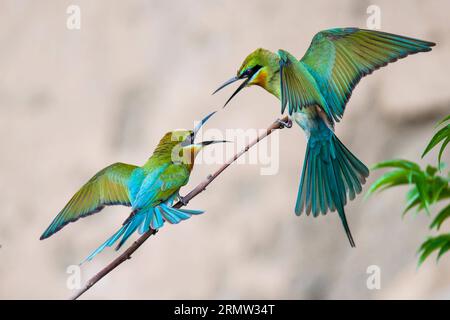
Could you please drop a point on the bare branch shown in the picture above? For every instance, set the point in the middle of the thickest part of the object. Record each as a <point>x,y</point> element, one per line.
<point>197,190</point>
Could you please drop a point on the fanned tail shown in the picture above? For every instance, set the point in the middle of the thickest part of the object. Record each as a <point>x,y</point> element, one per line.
<point>142,221</point>
<point>330,174</point>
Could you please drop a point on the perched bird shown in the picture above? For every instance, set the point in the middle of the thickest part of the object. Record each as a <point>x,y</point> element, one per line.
<point>316,90</point>
<point>150,190</point>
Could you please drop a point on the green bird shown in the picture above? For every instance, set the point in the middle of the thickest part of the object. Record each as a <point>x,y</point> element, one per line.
<point>316,89</point>
<point>150,190</point>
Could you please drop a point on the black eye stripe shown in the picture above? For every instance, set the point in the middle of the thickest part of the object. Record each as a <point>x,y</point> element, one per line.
<point>250,72</point>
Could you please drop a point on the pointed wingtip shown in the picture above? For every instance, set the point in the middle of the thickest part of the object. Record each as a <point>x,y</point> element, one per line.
<point>82,262</point>
<point>46,234</point>
<point>88,258</point>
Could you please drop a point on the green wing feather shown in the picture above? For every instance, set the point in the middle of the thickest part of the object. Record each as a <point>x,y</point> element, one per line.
<point>298,89</point>
<point>107,187</point>
<point>339,58</point>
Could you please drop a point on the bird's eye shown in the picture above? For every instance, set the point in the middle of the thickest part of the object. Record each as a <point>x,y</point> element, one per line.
<point>188,140</point>
<point>245,73</point>
<point>251,71</point>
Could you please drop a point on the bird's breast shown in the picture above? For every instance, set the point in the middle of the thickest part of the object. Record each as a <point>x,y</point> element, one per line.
<point>310,120</point>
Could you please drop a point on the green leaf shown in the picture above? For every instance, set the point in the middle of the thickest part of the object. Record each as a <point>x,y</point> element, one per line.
<point>444,144</point>
<point>444,194</point>
<point>445,119</point>
<point>441,243</point>
<point>437,186</point>
<point>431,171</point>
<point>389,179</point>
<point>422,187</point>
<point>444,249</point>
<point>397,163</point>
<point>412,200</point>
<point>438,137</point>
<point>440,218</point>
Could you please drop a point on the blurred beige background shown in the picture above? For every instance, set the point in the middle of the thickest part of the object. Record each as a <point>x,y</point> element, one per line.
<point>74,101</point>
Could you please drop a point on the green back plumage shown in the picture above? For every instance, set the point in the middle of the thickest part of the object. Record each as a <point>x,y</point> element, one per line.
<point>168,142</point>
<point>171,149</point>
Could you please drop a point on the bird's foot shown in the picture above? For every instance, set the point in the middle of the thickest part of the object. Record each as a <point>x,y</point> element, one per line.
<point>285,124</point>
<point>183,200</point>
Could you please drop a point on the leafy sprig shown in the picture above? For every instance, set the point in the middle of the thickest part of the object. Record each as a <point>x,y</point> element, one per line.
<point>427,187</point>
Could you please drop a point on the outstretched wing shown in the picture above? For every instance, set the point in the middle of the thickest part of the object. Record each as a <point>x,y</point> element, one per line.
<point>339,58</point>
<point>107,187</point>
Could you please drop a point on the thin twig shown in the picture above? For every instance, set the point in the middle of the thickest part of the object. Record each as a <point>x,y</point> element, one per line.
<point>197,190</point>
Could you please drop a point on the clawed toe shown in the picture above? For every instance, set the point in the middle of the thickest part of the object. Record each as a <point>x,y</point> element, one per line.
<point>285,124</point>
<point>183,200</point>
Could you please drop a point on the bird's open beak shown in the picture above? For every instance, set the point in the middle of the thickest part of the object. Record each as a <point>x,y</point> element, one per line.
<point>229,81</point>
<point>234,79</point>
<point>201,123</point>
<point>197,129</point>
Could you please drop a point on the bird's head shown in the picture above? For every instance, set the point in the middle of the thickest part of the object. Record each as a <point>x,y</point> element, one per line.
<point>261,67</point>
<point>180,145</point>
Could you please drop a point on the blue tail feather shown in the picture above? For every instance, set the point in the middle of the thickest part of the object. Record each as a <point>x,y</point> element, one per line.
<point>107,243</point>
<point>331,175</point>
<point>170,217</point>
<point>130,229</point>
<point>142,221</point>
<point>146,225</point>
<point>190,211</point>
<point>175,215</point>
<point>157,219</point>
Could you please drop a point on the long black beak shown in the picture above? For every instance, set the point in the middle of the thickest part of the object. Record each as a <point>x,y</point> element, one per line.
<point>201,123</point>
<point>207,143</point>
<point>234,79</point>
<point>229,81</point>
